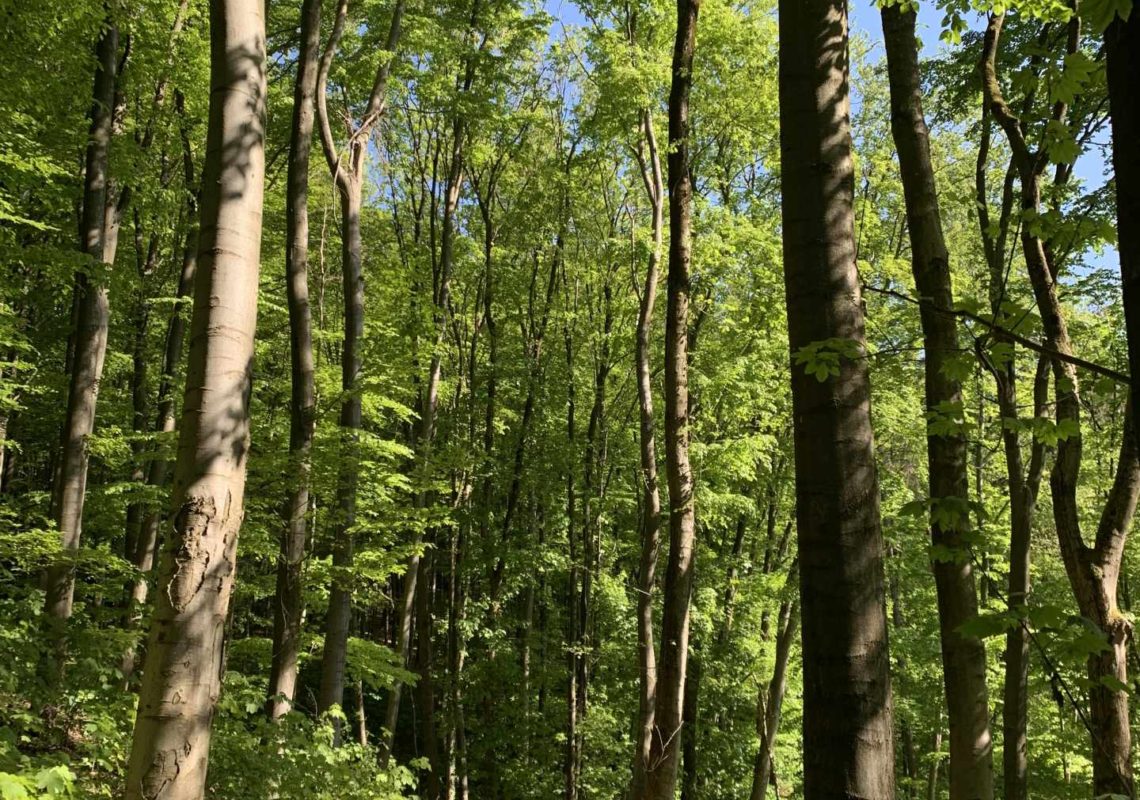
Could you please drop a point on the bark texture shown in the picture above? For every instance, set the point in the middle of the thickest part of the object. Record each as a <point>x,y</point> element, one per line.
<point>287,609</point>
<point>963,657</point>
<point>665,747</point>
<point>848,742</point>
<point>182,674</point>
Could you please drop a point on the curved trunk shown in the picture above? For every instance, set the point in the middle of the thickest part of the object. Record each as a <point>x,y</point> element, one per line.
<point>1094,571</point>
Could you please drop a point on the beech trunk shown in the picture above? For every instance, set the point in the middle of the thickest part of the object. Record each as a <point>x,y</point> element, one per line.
<point>963,656</point>
<point>182,674</point>
<point>287,608</point>
<point>847,734</point>
<point>90,335</point>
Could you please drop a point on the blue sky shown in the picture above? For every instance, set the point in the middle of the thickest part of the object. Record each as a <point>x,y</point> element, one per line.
<point>864,19</point>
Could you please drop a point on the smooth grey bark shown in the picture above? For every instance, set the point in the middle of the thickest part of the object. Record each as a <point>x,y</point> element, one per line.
<point>963,656</point>
<point>90,336</point>
<point>847,729</point>
<point>288,600</point>
<point>672,665</point>
<point>182,674</point>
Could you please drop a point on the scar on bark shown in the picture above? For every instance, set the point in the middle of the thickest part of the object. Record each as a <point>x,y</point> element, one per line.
<point>164,770</point>
<point>192,557</point>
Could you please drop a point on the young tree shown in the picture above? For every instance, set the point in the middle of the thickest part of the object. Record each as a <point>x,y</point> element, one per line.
<point>963,655</point>
<point>848,742</point>
<point>649,163</point>
<point>182,673</point>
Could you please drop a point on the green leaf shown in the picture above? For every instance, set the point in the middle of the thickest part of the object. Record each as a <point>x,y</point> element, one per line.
<point>12,787</point>
<point>988,625</point>
<point>1114,683</point>
<point>1100,13</point>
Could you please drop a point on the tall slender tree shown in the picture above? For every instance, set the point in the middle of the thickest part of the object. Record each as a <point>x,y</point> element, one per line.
<point>348,174</point>
<point>182,673</point>
<point>963,655</point>
<point>665,748</point>
<point>649,162</point>
<point>848,742</point>
<point>287,607</point>
<point>1093,571</point>
<point>90,335</point>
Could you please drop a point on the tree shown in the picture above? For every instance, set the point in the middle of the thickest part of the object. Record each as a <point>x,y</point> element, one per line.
<point>848,742</point>
<point>1094,571</point>
<point>664,752</point>
<point>302,409</point>
<point>963,654</point>
<point>90,337</point>
<point>348,175</point>
<point>181,677</point>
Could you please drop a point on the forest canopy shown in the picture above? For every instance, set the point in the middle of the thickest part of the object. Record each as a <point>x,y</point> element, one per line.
<point>502,399</point>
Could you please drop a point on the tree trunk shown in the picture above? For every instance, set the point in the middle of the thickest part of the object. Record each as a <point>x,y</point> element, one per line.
<point>430,784</point>
<point>651,494</point>
<point>348,174</point>
<point>935,761</point>
<point>1022,486</point>
<point>1093,572</point>
<point>572,761</point>
<point>90,336</point>
<point>690,713</point>
<point>339,619</point>
<point>287,608</point>
<point>1122,59</point>
<point>848,740</point>
<point>182,677</point>
<point>1122,50</point>
<point>773,701</point>
<point>963,657</point>
<point>668,712</point>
